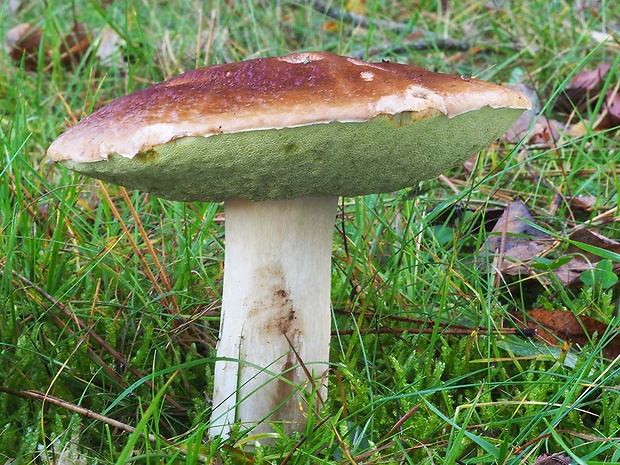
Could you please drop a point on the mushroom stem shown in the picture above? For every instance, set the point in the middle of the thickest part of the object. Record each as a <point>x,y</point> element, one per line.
<point>276,295</point>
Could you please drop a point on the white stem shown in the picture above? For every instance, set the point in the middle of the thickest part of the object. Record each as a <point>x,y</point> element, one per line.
<point>277,272</point>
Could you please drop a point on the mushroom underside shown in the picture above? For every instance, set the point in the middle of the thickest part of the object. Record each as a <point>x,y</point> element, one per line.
<point>328,159</point>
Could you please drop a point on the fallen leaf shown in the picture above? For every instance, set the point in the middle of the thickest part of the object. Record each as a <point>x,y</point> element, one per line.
<point>545,133</point>
<point>583,203</point>
<point>583,93</point>
<point>11,6</point>
<point>582,89</point>
<point>585,236</point>
<point>570,273</point>
<point>611,111</point>
<point>516,242</point>
<point>356,7</point>
<point>537,129</point>
<point>520,249</point>
<point>553,459</point>
<point>566,326</point>
<point>23,42</point>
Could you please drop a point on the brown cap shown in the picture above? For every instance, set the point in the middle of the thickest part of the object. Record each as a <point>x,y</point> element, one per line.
<point>269,94</point>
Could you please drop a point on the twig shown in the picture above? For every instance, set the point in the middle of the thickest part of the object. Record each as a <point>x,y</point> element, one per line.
<point>354,19</point>
<point>449,328</point>
<point>86,413</point>
<point>521,332</point>
<point>428,43</point>
<point>438,43</point>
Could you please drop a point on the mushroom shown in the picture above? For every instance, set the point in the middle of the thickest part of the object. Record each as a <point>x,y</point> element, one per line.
<point>279,140</point>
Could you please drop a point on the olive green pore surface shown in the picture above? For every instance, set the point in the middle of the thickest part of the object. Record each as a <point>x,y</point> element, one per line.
<point>347,159</point>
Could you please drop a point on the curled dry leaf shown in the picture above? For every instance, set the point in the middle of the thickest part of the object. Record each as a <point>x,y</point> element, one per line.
<point>545,133</point>
<point>588,237</point>
<point>11,6</point>
<point>538,130</point>
<point>108,45</point>
<point>583,203</point>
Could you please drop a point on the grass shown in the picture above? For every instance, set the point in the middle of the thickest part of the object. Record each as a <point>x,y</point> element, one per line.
<point>110,299</point>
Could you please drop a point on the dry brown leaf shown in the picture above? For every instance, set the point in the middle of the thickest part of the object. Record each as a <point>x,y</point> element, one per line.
<point>538,130</point>
<point>588,237</point>
<point>109,44</point>
<point>23,42</point>
<point>553,459</point>
<point>583,93</point>
<point>515,241</point>
<point>611,110</point>
<point>569,273</point>
<point>11,6</point>
<point>582,89</point>
<point>566,326</point>
<point>518,247</point>
<point>545,132</point>
<point>583,203</point>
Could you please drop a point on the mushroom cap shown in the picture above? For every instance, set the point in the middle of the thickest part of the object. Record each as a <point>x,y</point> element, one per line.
<point>306,124</point>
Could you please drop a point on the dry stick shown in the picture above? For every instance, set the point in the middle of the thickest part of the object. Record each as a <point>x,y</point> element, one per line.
<point>453,328</point>
<point>86,413</point>
<point>525,332</point>
<point>440,43</point>
<point>117,355</point>
<point>354,19</point>
<point>587,437</point>
<point>431,43</point>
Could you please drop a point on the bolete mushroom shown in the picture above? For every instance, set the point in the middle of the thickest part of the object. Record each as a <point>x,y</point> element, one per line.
<point>278,140</point>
